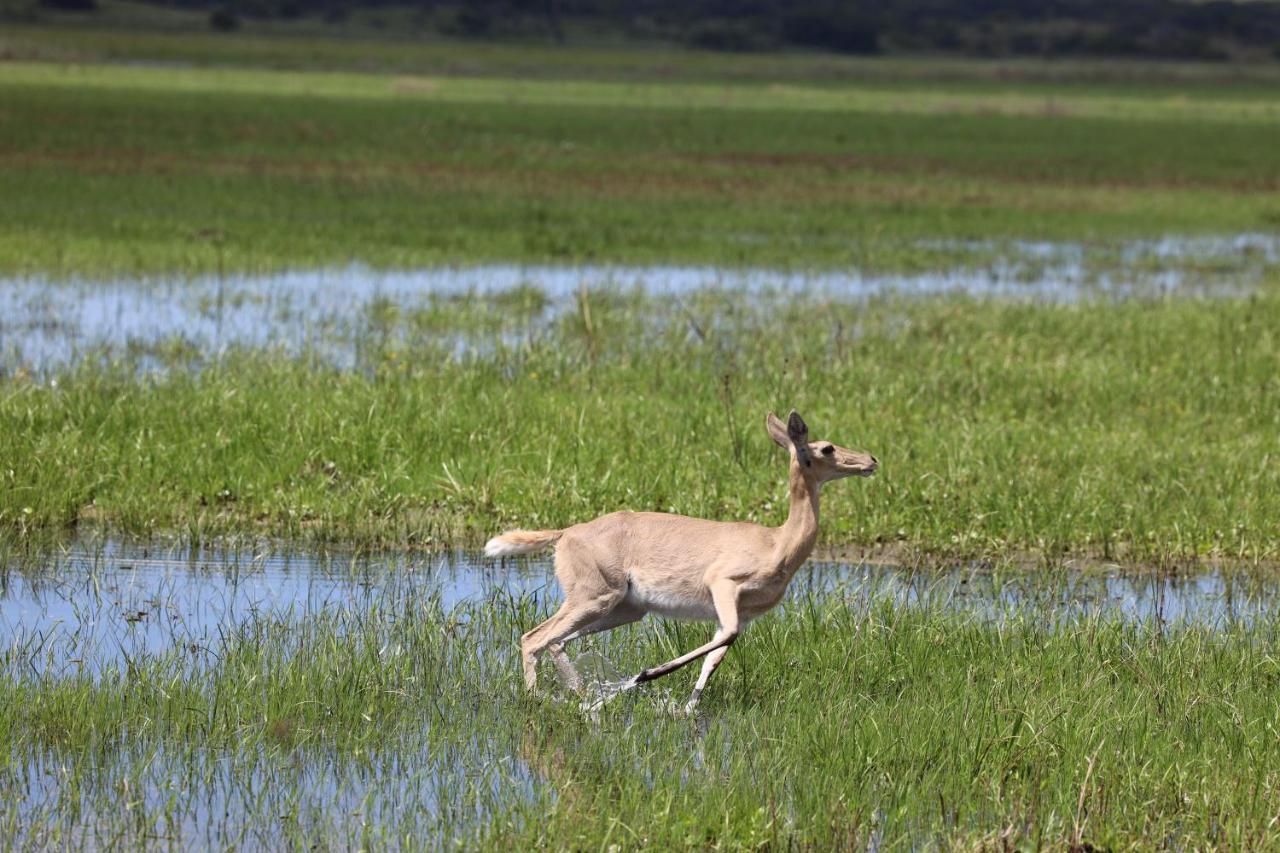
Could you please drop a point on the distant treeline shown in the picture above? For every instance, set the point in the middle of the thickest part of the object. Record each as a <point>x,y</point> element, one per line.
<point>1217,29</point>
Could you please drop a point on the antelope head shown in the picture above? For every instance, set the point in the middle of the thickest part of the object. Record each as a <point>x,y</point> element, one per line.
<point>820,460</point>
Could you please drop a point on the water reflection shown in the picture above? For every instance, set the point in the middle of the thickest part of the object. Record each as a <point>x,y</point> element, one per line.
<point>45,324</point>
<point>92,609</point>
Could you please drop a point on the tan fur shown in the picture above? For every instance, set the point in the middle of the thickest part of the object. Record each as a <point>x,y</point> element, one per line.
<point>520,542</point>
<point>618,567</point>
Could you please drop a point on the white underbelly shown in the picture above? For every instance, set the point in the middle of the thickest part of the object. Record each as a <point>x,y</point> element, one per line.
<point>672,606</point>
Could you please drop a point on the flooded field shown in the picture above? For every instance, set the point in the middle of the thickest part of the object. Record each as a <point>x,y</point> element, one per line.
<point>363,321</point>
<point>289,695</point>
<point>340,314</point>
<point>160,696</point>
<point>110,619</point>
<point>91,609</point>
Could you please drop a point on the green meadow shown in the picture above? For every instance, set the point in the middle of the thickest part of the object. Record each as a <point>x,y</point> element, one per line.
<point>1085,415</point>
<point>136,170</point>
<point>1138,431</point>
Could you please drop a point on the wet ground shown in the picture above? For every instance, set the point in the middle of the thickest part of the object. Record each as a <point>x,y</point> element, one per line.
<point>93,608</point>
<point>45,324</point>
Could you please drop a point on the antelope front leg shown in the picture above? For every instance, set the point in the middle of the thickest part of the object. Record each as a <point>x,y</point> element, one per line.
<point>709,664</point>
<point>724,595</point>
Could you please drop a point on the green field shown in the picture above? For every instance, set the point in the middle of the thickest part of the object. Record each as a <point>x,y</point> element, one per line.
<point>1139,431</point>
<point>1136,431</point>
<point>1121,409</point>
<point>112,170</point>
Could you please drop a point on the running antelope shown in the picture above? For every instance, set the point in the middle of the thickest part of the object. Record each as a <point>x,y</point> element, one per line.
<point>617,568</point>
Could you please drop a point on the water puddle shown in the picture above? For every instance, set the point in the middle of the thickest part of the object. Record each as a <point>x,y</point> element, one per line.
<point>93,610</point>
<point>335,313</point>
<point>261,799</point>
<point>96,609</point>
<point>88,611</point>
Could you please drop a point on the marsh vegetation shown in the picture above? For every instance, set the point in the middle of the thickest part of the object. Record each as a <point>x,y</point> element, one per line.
<point>233,698</point>
<point>301,334</point>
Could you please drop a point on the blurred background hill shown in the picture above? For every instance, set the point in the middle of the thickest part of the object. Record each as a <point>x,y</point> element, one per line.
<point>1217,30</point>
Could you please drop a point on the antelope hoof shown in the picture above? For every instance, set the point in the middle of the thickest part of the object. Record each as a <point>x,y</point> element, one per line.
<point>690,707</point>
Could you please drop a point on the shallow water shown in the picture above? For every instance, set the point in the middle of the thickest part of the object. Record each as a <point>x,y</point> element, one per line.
<point>87,610</point>
<point>92,609</point>
<point>219,798</point>
<point>45,324</point>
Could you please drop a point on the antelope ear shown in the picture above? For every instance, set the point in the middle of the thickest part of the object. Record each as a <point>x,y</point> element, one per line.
<point>798,432</point>
<point>777,431</point>
<point>797,429</point>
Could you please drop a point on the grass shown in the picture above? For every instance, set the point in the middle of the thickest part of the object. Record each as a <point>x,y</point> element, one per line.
<point>1004,428</point>
<point>1135,430</point>
<point>1140,429</point>
<point>150,171</point>
<point>834,723</point>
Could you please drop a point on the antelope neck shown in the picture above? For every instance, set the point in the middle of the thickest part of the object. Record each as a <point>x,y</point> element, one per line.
<point>800,532</point>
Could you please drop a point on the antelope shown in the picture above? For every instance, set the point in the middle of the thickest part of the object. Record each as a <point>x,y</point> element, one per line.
<point>617,568</point>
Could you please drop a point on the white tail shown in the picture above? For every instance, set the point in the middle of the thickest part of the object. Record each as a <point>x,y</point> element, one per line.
<point>520,542</point>
<point>617,568</point>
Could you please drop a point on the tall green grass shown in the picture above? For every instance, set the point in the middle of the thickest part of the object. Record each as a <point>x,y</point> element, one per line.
<point>1123,430</point>
<point>831,724</point>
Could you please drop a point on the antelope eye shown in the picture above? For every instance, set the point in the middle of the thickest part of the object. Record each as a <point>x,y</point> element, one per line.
<point>828,450</point>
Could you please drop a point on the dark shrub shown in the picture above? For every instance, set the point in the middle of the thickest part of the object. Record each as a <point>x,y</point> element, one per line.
<point>837,30</point>
<point>70,5</point>
<point>725,35</point>
<point>1025,43</point>
<point>1174,42</point>
<point>223,20</point>
<point>468,22</point>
